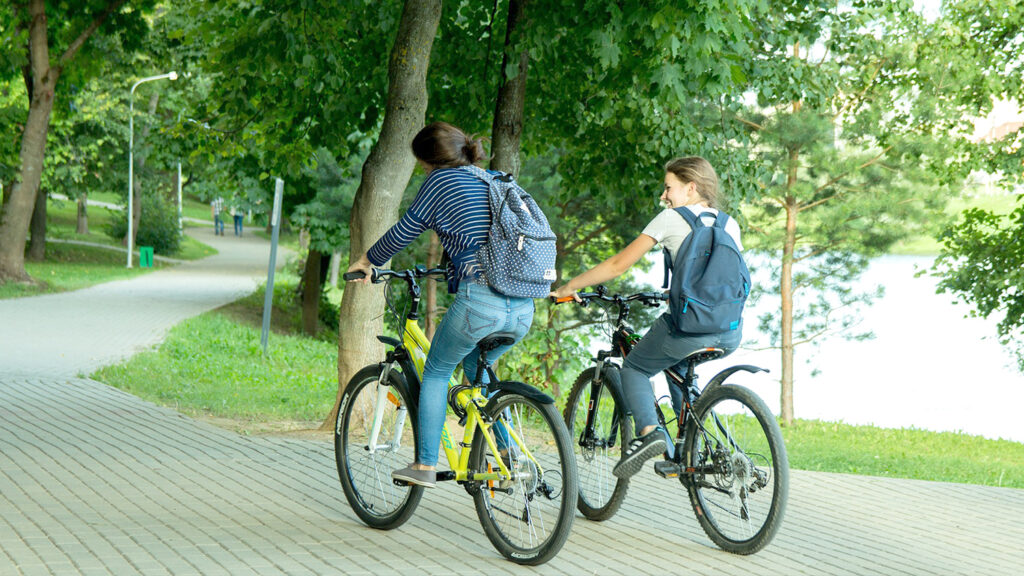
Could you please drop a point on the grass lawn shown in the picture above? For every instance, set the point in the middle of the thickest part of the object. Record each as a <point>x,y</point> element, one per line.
<point>213,366</point>
<point>72,266</point>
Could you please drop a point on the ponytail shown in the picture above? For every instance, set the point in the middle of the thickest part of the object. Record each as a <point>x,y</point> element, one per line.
<point>445,146</point>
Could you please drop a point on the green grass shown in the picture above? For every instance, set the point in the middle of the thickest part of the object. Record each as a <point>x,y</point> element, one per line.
<point>73,266</point>
<point>70,267</point>
<point>904,453</point>
<point>213,365</point>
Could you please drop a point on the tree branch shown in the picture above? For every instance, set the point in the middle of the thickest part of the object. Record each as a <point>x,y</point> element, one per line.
<point>860,95</point>
<point>593,234</point>
<point>75,46</point>
<point>841,176</point>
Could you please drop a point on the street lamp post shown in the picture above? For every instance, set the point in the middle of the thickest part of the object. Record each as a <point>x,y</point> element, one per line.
<point>131,150</point>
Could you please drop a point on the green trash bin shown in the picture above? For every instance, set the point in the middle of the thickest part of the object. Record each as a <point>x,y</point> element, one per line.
<point>145,256</point>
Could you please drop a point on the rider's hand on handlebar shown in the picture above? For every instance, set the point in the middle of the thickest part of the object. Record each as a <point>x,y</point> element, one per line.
<point>563,293</point>
<point>362,265</point>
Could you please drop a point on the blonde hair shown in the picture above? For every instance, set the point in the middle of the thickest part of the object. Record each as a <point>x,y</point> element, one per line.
<point>699,171</point>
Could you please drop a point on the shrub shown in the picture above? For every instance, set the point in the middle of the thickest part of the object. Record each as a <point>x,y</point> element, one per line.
<point>158,225</point>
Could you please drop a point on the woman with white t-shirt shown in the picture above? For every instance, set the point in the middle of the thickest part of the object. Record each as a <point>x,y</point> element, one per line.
<point>690,182</point>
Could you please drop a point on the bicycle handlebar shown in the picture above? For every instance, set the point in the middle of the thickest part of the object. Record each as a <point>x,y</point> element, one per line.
<point>380,274</point>
<point>647,298</point>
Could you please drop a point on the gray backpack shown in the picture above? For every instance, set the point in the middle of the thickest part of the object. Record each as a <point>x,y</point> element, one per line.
<point>710,280</point>
<point>519,257</point>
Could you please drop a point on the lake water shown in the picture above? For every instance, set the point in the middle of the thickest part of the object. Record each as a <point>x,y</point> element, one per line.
<point>928,367</point>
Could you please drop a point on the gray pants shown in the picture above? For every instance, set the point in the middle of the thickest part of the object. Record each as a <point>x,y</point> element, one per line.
<point>658,350</point>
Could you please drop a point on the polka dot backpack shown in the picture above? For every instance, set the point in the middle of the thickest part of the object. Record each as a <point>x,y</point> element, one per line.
<point>519,257</point>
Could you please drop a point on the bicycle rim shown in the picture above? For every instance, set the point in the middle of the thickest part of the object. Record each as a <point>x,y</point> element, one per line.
<point>527,518</point>
<point>366,474</point>
<point>599,449</point>
<point>740,477</point>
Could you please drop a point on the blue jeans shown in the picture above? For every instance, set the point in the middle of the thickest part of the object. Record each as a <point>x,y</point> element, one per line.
<point>218,225</point>
<point>658,350</point>
<point>476,313</point>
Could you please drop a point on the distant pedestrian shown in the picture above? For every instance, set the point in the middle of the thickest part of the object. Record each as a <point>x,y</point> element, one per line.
<point>237,214</point>
<point>216,210</point>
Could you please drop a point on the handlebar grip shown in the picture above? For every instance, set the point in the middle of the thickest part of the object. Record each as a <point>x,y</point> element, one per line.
<point>563,299</point>
<point>348,276</point>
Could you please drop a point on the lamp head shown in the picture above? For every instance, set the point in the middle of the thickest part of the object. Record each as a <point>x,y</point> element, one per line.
<point>173,75</point>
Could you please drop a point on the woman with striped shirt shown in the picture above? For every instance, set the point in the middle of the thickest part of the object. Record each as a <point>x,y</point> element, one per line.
<point>452,202</point>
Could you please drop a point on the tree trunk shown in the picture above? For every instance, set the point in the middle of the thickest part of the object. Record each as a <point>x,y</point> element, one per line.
<point>82,225</point>
<point>335,265</point>
<point>311,294</point>
<point>786,293</point>
<point>37,229</point>
<point>41,84</point>
<point>507,127</point>
<point>385,175</point>
<point>140,163</point>
<point>17,213</point>
<point>433,259</point>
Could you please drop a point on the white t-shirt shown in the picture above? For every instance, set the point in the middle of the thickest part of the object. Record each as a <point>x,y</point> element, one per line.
<point>670,229</point>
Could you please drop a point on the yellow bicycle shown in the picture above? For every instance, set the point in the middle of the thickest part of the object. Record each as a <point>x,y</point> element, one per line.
<point>515,457</point>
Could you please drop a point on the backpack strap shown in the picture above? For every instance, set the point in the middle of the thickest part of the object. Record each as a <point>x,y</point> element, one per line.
<point>695,222</point>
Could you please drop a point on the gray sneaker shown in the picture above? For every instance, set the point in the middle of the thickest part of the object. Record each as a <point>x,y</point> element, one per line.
<point>410,475</point>
<point>639,451</point>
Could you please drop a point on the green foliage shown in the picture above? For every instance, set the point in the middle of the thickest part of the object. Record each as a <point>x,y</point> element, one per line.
<point>982,263</point>
<point>158,225</point>
<point>326,216</point>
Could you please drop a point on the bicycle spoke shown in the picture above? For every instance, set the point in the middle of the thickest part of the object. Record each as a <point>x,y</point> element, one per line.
<point>740,471</point>
<point>526,516</point>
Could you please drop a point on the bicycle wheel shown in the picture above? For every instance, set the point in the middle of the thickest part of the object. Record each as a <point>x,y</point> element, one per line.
<point>737,473</point>
<point>365,473</point>
<point>598,449</point>
<point>527,518</point>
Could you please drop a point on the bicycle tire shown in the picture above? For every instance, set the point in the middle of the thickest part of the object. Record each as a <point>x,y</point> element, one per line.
<point>600,493</point>
<point>365,476</point>
<point>530,522</point>
<point>737,471</point>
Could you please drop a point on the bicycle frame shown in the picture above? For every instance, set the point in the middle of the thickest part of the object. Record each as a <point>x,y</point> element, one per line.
<point>414,347</point>
<point>623,341</point>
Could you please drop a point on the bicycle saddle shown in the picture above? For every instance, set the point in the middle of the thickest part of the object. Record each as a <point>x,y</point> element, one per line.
<point>703,355</point>
<point>497,339</point>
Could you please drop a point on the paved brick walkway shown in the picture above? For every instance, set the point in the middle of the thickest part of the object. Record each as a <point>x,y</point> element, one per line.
<point>96,481</point>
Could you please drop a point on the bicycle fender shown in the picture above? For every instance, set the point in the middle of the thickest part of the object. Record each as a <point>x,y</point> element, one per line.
<point>721,376</point>
<point>507,387</point>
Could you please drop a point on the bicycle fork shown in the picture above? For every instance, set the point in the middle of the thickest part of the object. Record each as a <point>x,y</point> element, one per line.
<point>384,395</point>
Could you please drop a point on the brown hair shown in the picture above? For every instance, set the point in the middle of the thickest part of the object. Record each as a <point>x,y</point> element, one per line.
<point>444,146</point>
<point>699,171</point>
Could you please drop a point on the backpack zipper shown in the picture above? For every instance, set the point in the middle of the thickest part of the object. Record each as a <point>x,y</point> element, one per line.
<point>523,237</point>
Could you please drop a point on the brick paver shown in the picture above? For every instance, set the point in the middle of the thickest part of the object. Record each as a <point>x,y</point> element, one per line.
<point>97,481</point>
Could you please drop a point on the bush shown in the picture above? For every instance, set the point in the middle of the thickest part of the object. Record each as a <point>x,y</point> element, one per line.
<point>158,225</point>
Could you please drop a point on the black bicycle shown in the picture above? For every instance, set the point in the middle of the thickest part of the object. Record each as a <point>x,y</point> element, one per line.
<point>728,450</point>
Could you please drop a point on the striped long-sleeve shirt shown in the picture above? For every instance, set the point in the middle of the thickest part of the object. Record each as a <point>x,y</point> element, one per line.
<point>453,203</point>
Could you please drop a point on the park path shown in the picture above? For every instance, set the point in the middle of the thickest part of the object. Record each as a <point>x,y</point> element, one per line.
<point>97,481</point>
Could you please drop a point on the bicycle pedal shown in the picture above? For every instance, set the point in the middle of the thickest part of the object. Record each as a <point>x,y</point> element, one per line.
<point>667,469</point>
